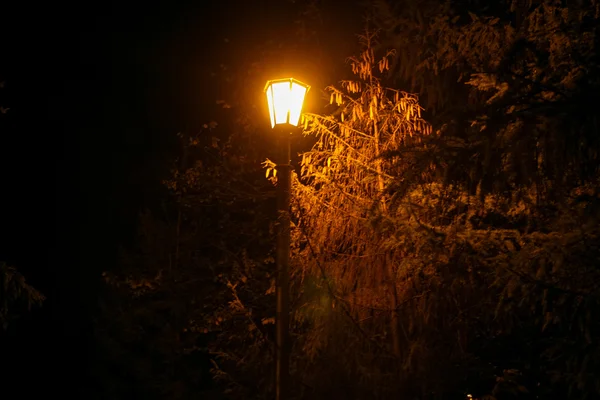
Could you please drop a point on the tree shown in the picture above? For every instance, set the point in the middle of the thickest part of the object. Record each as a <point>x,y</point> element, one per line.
<point>516,167</point>
<point>345,264</point>
<point>530,72</point>
<point>16,296</point>
<point>198,282</point>
<point>196,293</point>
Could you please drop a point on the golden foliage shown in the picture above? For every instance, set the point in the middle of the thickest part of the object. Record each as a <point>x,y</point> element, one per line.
<point>339,192</point>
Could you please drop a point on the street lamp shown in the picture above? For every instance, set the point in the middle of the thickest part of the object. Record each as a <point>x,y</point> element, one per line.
<point>285,98</point>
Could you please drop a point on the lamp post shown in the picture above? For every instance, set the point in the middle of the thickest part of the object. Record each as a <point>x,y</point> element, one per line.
<point>285,98</point>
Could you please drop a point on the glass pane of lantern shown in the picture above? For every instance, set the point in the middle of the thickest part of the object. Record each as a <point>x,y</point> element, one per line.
<point>270,102</point>
<point>295,101</point>
<point>281,101</point>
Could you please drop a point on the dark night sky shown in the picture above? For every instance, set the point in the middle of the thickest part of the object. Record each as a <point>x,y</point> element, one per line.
<point>97,92</point>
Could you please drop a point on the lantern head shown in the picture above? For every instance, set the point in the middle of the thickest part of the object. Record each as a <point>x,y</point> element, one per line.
<point>285,98</point>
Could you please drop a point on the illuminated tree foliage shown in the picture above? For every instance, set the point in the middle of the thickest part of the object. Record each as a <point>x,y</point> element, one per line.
<point>346,265</point>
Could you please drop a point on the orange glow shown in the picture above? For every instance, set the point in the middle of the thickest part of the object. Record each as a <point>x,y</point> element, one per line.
<point>285,98</point>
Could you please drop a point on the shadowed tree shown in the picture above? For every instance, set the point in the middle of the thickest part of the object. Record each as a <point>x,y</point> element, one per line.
<point>513,173</point>
<point>16,296</point>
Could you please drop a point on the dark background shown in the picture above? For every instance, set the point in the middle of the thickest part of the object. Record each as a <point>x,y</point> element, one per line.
<point>97,91</point>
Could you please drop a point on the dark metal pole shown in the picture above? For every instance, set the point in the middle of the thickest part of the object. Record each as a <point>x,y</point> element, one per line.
<point>284,177</point>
